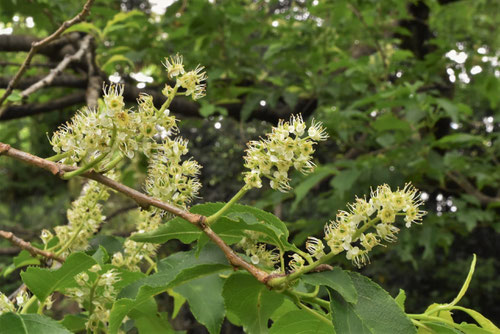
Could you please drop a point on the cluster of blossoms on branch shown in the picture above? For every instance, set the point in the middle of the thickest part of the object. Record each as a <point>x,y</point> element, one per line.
<point>94,292</point>
<point>289,144</point>
<point>368,223</point>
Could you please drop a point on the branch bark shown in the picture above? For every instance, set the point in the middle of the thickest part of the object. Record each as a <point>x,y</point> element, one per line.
<point>37,45</point>
<point>59,68</point>
<point>27,246</point>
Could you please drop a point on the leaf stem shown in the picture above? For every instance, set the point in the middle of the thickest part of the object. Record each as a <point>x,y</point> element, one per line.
<point>213,218</point>
<point>58,157</point>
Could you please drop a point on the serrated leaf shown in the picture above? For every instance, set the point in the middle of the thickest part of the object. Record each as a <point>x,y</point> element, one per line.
<point>375,312</point>
<point>42,282</point>
<point>336,279</point>
<point>11,323</point>
<point>481,320</point>
<point>204,296</point>
<point>108,65</point>
<point>172,271</point>
<point>301,322</point>
<point>24,258</point>
<point>250,302</point>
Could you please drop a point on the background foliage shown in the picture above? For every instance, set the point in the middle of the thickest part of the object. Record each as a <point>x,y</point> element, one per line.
<point>407,89</point>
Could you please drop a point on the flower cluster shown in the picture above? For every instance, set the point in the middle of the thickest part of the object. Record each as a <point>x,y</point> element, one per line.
<point>169,178</point>
<point>95,292</point>
<point>368,223</point>
<point>290,144</point>
<point>84,219</point>
<point>258,252</point>
<point>191,81</point>
<point>135,252</point>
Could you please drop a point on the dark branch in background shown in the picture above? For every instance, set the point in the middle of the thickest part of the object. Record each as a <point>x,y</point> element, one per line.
<point>144,201</point>
<point>14,112</point>
<point>55,50</point>
<point>27,246</point>
<point>469,188</point>
<point>37,45</point>
<point>59,68</point>
<point>63,80</point>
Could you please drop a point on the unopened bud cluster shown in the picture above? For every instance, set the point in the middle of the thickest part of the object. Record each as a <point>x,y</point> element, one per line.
<point>367,224</point>
<point>290,144</point>
<point>94,292</point>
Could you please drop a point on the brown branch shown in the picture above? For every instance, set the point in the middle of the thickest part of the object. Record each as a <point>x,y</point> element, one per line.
<point>27,246</point>
<point>59,68</point>
<point>63,80</point>
<point>35,46</point>
<point>30,109</point>
<point>143,200</point>
<point>469,188</point>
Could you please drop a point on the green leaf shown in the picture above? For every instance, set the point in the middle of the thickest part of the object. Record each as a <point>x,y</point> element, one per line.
<point>336,279</point>
<point>375,311</point>
<point>11,323</point>
<point>175,270</point>
<point>250,302</point>
<point>179,300</point>
<point>153,323</point>
<point>388,121</point>
<point>204,296</point>
<point>308,183</point>
<point>109,64</point>
<point>74,322</point>
<point>437,328</point>
<point>401,298</point>
<point>24,259</point>
<point>86,27</point>
<point>458,139</point>
<point>120,20</point>
<point>101,255</point>
<point>481,320</point>
<point>42,282</point>
<point>300,322</point>
<point>344,180</point>
<point>474,329</point>
<point>15,96</point>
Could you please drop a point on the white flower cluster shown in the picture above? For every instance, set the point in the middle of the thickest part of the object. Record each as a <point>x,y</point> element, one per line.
<point>170,179</point>
<point>191,81</point>
<point>6,305</point>
<point>97,133</point>
<point>135,252</point>
<point>95,292</point>
<point>289,144</point>
<point>349,232</point>
<point>84,219</point>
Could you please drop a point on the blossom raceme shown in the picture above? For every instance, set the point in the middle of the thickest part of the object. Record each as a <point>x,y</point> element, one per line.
<point>288,145</point>
<point>367,224</point>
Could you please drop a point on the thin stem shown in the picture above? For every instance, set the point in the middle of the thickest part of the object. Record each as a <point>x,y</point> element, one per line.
<point>58,157</point>
<point>213,218</point>
<point>152,265</point>
<point>112,164</point>
<point>314,313</point>
<point>28,304</point>
<point>365,227</point>
<point>308,298</point>
<point>170,98</point>
<point>94,162</point>
<point>430,318</point>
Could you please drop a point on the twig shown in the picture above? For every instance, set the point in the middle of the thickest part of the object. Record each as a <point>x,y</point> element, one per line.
<point>27,246</point>
<point>37,45</point>
<point>144,201</point>
<point>59,68</point>
<point>469,188</point>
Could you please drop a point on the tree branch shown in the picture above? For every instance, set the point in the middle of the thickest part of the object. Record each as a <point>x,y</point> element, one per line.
<point>143,200</point>
<point>37,45</point>
<point>469,188</point>
<point>63,80</point>
<point>59,68</point>
<point>27,246</point>
<point>13,112</point>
